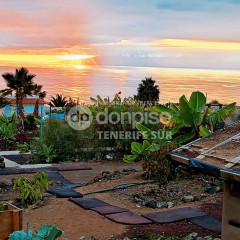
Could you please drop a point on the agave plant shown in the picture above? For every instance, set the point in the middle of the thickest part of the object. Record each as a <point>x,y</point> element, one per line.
<point>191,114</point>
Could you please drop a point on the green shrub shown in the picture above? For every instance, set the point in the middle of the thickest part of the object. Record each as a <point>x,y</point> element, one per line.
<point>47,154</point>
<point>30,191</point>
<point>120,145</point>
<point>8,131</point>
<point>69,144</point>
<point>30,123</point>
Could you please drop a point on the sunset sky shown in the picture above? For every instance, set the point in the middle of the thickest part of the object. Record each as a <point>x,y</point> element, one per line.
<point>166,33</point>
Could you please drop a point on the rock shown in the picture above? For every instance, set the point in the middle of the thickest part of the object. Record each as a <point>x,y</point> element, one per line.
<point>203,196</point>
<point>94,238</point>
<point>138,198</point>
<point>209,189</point>
<point>187,199</point>
<point>82,238</point>
<point>196,198</point>
<point>171,194</point>
<point>105,172</point>
<point>5,183</point>
<point>154,204</point>
<point>170,204</point>
<point>2,165</point>
<point>116,172</point>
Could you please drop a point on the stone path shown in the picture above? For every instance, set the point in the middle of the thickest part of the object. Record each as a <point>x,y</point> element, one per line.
<point>115,213</point>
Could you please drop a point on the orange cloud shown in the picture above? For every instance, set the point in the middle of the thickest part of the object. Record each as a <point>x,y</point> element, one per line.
<point>198,44</point>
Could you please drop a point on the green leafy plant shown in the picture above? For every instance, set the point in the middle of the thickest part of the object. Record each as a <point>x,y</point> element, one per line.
<point>24,148</point>
<point>47,153</point>
<point>30,123</point>
<point>1,207</point>
<point>46,232</point>
<point>153,152</point>
<point>68,142</point>
<point>8,130</point>
<point>30,191</point>
<point>191,114</point>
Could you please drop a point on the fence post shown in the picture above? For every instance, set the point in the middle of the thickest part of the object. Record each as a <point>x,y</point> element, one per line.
<point>41,133</point>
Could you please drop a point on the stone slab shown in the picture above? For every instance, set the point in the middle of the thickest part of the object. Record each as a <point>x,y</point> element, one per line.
<point>104,210</point>
<point>128,218</point>
<point>88,203</point>
<point>207,222</point>
<point>173,215</point>
<point>65,192</point>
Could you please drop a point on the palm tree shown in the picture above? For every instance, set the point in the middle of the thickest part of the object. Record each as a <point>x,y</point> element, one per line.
<point>58,101</point>
<point>148,92</point>
<point>21,83</point>
<point>37,90</point>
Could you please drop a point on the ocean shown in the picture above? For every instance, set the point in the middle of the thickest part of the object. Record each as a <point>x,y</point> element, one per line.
<point>81,82</point>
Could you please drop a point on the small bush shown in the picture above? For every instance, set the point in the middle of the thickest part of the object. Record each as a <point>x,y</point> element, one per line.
<point>68,144</point>
<point>30,191</point>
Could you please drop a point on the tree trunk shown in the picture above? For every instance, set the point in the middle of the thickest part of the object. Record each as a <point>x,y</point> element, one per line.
<point>35,113</point>
<point>19,103</point>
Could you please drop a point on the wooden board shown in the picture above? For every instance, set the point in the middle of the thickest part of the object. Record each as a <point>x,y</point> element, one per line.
<point>10,220</point>
<point>180,159</point>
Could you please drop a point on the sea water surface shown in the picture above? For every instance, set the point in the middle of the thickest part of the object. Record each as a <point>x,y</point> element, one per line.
<point>81,82</point>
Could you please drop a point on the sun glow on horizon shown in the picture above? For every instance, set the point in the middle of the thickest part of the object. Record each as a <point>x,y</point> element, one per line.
<point>74,57</point>
<point>49,61</point>
<point>80,66</point>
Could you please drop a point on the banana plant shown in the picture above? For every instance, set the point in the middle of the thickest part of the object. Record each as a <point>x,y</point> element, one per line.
<point>156,141</point>
<point>153,152</point>
<point>191,114</point>
<point>7,133</point>
<point>47,153</point>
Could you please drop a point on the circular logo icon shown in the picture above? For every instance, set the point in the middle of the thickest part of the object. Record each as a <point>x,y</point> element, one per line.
<point>79,117</point>
<point>165,118</point>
